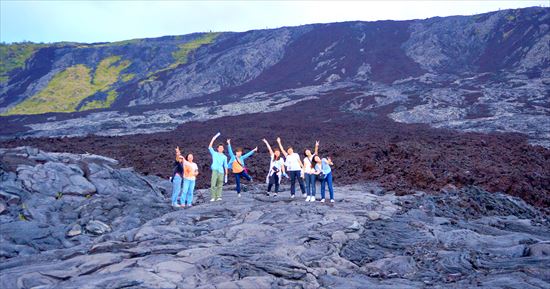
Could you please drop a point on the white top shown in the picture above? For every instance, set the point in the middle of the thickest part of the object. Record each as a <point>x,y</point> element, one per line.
<point>307,166</point>
<point>293,162</point>
<point>277,164</point>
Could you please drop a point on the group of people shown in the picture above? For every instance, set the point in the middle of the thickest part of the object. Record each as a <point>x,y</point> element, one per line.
<point>307,172</point>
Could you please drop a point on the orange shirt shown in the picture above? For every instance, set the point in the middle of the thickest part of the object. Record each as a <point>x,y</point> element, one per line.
<point>189,171</point>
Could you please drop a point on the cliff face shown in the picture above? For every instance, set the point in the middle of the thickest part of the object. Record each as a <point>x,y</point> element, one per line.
<point>487,72</point>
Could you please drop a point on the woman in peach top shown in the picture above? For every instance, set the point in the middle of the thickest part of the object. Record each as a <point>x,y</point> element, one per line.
<point>190,172</point>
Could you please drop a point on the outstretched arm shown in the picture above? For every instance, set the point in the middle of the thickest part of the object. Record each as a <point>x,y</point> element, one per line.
<point>268,147</point>
<point>281,147</point>
<point>316,148</point>
<point>250,153</point>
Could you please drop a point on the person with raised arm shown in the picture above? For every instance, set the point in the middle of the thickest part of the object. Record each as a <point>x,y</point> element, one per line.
<point>236,163</point>
<point>219,169</point>
<point>276,169</point>
<point>177,178</point>
<point>294,167</point>
<point>309,173</point>
<point>324,173</point>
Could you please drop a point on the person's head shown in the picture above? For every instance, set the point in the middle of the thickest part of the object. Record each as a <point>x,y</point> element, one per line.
<point>239,152</point>
<point>220,148</point>
<point>307,153</point>
<point>179,158</point>
<point>190,157</point>
<point>277,153</point>
<point>317,159</point>
<point>290,150</point>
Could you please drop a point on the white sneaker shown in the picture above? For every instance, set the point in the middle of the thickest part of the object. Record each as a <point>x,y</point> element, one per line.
<point>211,200</point>
<point>307,199</point>
<point>239,195</point>
<point>332,200</point>
<point>312,199</point>
<point>304,195</point>
<point>292,196</point>
<point>322,200</point>
<point>219,199</point>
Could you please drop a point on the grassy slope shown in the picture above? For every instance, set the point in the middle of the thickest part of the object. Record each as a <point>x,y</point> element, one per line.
<point>71,86</point>
<point>13,56</point>
<point>181,56</point>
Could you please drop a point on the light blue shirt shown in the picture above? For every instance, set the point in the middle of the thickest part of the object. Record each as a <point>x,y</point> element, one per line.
<point>233,157</point>
<point>219,161</point>
<point>325,167</point>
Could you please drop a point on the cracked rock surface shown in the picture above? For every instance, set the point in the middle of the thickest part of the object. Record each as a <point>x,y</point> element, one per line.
<point>113,228</point>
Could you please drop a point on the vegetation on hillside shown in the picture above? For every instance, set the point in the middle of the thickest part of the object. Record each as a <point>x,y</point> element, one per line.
<point>181,55</point>
<point>71,86</point>
<point>13,56</point>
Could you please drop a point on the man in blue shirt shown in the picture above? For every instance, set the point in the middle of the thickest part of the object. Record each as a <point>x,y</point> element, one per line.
<point>236,162</point>
<point>219,167</point>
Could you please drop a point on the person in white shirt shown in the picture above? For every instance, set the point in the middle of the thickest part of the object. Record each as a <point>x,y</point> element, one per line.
<point>294,167</point>
<point>276,169</point>
<point>309,173</point>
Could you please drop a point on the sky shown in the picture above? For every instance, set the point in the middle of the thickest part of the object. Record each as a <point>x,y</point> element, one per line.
<point>106,21</point>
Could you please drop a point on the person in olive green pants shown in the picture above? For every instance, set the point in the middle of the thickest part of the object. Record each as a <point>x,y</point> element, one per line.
<point>219,167</point>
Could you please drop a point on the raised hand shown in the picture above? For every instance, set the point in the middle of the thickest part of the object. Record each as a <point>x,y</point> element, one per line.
<point>278,139</point>
<point>255,149</point>
<point>228,141</point>
<point>317,143</point>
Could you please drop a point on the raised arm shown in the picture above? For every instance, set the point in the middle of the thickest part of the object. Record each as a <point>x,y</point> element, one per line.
<point>230,149</point>
<point>281,147</point>
<point>268,147</point>
<point>329,161</point>
<point>213,140</point>
<point>316,148</point>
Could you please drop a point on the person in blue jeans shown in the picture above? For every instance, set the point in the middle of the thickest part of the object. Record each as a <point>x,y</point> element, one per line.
<point>190,172</point>
<point>177,178</point>
<point>324,172</point>
<point>294,167</point>
<point>237,165</point>
<point>309,173</point>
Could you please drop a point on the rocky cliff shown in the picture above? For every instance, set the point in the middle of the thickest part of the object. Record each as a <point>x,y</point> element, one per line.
<point>82,221</point>
<point>487,73</point>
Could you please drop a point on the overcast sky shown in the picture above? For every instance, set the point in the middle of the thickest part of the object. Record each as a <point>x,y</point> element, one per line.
<point>98,21</point>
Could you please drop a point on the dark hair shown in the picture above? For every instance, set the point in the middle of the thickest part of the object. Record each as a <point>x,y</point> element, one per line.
<point>187,157</point>
<point>239,149</point>
<point>274,156</point>
<point>288,148</point>
<point>220,144</point>
<point>312,162</point>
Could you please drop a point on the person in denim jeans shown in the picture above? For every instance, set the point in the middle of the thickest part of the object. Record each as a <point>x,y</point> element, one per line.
<point>309,173</point>
<point>190,172</point>
<point>236,163</point>
<point>177,178</point>
<point>294,168</point>
<point>322,168</point>
<point>276,169</point>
